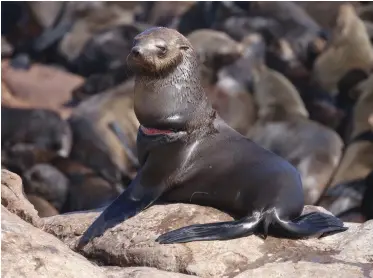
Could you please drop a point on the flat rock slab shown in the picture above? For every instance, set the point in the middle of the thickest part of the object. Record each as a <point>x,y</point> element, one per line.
<point>29,252</point>
<point>132,243</point>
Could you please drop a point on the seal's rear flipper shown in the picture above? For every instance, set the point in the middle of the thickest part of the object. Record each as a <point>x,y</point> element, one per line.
<point>213,231</point>
<point>312,224</point>
<point>128,204</point>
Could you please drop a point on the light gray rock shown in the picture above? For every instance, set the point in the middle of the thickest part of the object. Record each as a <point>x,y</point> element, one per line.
<point>141,272</point>
<point>132,243</point>
<point>29,252</point>
<point>14,200</point>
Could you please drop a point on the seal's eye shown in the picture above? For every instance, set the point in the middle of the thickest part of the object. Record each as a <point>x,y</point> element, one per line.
<point>184,47</point>
<point>162,49</point>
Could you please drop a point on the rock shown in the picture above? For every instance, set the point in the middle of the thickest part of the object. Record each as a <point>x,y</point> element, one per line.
<point>44,208</point>
<point>29,252</point>
<point>142,272</point>
<point>132,243</point>
<point>42,86</point>
<point>350,254</point>
<point>13,199</point>
<point>9,100</point>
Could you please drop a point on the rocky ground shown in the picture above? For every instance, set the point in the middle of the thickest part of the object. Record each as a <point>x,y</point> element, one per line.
<point>296,78</point>
<point>45,247</point>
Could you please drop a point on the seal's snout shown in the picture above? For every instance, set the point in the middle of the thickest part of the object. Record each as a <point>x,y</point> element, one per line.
<point>136,51</point>
<point>149,48</point>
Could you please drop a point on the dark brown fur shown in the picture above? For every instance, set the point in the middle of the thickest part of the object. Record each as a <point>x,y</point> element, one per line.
<point>87,190</point>
<point>185,147</point>
<point>283,127</point>
<point>48,183</point>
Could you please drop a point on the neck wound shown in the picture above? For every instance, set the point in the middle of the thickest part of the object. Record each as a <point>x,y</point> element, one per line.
<point>155,131</point>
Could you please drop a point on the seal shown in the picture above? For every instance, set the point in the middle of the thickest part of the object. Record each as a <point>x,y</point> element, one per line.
<point>284,127</point>
<point>42,128</point>
<point>96,144</point>
<point>184,148</point>
<point>47,182</point>
<point>215,50</point>
<point>357,160</point>
<point>87,190</point>
<point>350,48</point>
<point>366,204</point>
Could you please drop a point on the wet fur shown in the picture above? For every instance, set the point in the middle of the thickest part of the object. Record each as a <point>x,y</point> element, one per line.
<point>194,164</point>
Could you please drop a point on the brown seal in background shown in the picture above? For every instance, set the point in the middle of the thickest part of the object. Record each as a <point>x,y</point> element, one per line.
<point>284,127</point>
<point>95,144</point>
<point>350,48</point>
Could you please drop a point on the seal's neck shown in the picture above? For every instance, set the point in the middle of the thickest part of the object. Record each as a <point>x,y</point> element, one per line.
<point>181,93</point>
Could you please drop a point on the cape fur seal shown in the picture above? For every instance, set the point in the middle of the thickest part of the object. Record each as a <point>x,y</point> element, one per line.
<point>350,48</point>
<point>357,160</point>
<point>184,148</point>
<point>47,182</point>
<point>41,128</point>
<point>87,190</point>
<point>215,50</point>
<point>284,128</point>
<point>95,144</point>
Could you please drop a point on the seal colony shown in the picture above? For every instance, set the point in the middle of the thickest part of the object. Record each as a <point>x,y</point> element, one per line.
<point>188,154</point>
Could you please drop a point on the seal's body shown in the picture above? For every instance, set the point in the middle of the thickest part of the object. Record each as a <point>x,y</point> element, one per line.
<point>188,153</point>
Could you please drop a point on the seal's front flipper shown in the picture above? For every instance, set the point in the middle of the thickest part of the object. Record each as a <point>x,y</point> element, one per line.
<point>312,224</point>
<point>132,201</point>
<point>213,231</point>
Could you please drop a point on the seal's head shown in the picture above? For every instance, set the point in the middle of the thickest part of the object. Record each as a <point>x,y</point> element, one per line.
<point>158,50</point>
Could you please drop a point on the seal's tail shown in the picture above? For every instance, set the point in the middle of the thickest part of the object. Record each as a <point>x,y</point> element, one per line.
<point>308,225</point>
